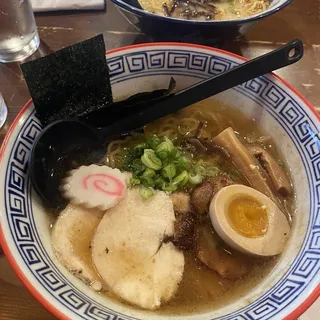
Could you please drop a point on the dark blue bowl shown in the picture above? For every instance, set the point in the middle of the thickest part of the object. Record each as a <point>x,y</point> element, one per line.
<point>162,28</point>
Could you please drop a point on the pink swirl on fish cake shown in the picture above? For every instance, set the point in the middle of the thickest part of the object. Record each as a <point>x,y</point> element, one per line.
<point>102,183</point>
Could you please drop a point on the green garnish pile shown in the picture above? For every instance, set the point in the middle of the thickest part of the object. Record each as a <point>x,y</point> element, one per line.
<point>157,164</point>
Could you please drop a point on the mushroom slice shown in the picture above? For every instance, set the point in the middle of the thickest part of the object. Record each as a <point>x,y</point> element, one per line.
<point>71,237</point>
<point>199,147</point>
<point>278,177</point>
<point>130,255</point>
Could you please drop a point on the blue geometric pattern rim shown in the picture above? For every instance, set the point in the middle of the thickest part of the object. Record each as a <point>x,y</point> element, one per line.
<point>280,104</point>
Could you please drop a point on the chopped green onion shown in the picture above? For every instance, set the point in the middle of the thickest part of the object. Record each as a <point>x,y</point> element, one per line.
<point>195,177</point>
<point>166,162</point>
<point>169,171</point>
<point>169,187</point>
<point>134,181</point>
<point>159,181</point>
<point>182,163</point>
<point>173,137</point>
<point>212,171</point>
<point>153,141</point>
<point>136,174</point>
<point>147,181</point>
<point>150,160</point>
<point>157,163</point>
<point>138,149</point>
<point>167,140</point>
<point>182,179</point>
<point>164,148</point>
<point>149,173</point>
<point>145,192</point>
<point>175,153</point>
<point>138,165</point>
<point>163,154</point>
<point>201,170</point>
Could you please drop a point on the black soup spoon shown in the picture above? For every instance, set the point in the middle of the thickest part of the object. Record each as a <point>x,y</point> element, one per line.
<point>66,144</point>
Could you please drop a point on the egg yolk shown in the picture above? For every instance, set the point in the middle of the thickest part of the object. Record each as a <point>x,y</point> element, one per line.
<point>248,217</point>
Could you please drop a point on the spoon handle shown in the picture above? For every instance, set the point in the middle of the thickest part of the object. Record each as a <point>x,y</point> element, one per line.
<point>276,59</point>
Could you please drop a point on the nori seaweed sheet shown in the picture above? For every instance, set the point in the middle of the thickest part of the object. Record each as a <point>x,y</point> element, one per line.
<point>124,108</point>
<point>71,82</point>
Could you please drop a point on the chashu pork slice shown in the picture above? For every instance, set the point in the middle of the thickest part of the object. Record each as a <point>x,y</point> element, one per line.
<point>71,241</point>
<point>128,252</point>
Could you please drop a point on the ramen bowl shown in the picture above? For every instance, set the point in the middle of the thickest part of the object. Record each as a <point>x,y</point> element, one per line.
<point>162,28</point>
<point>288,290</point>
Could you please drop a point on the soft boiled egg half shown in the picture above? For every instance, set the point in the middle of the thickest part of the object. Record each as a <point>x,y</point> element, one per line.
<point>249,221</point>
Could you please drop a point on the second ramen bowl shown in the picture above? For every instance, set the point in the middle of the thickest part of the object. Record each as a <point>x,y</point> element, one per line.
<point>162,28</point>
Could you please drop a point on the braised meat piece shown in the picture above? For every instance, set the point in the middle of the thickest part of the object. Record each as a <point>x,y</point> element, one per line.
<point>181,202</point>
<point>184,231</point>
<point>201,198</point>
<point>210,251</point>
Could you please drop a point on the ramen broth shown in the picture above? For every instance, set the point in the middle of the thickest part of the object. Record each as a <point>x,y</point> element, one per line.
<point>202,289</point>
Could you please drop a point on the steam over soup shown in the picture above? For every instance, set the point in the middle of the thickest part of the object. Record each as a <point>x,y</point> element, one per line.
<point>197,216</point>
<point>206,9</point>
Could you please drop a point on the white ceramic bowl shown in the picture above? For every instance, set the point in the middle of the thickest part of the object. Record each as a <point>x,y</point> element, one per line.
<point>282,112</point>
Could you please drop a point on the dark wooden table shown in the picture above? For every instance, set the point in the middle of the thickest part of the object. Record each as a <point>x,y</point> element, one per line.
<point>57,30</point>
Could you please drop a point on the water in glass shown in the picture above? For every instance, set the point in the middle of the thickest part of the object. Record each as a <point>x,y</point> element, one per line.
<point>18,31</point>
<point>3,111</point>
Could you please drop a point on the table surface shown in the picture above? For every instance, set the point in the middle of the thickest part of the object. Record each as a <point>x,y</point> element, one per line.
<point>57,30</point>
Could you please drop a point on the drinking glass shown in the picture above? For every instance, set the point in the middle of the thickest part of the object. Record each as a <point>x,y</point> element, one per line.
<point>18,31</point>
<point>3,111</point>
